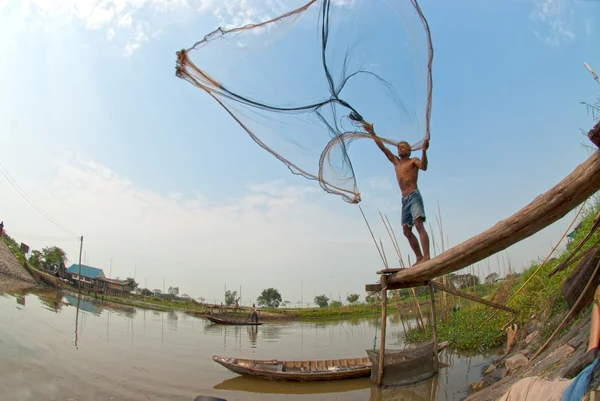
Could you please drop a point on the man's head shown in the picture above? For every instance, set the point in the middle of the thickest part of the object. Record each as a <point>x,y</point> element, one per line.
<point>404,149</point>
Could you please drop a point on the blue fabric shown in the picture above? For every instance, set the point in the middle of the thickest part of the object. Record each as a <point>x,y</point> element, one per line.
<point>578,386</point>
<point>412,207</point>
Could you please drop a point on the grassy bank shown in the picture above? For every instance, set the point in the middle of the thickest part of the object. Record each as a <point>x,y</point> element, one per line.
<point>541,298</point>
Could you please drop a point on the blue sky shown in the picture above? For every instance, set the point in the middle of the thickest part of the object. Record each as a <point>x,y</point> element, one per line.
<point>98,131</point>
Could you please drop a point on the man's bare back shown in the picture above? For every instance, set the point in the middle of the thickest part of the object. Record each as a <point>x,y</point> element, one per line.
<point>407,174</point>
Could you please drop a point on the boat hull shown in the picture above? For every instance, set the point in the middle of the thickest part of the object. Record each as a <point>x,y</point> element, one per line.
<point>231,322</point>
<point>316,370</point>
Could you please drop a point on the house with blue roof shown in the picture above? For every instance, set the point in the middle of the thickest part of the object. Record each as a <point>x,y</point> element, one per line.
<point>90,276</point>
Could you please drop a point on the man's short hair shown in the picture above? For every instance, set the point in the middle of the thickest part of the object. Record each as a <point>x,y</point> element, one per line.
<point>405,144</point>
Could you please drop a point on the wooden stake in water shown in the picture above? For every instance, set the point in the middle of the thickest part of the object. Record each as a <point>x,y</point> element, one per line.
<point>383,329</point>
<point>79,270</point>
<point>435,340</point>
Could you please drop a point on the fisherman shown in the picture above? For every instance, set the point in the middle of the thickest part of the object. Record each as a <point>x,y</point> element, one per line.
<point>254,313</point>
<point>407,173</point>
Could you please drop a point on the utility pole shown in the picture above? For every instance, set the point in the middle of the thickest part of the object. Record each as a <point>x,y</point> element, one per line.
<point>79,271</point>
<point>301,295</point>
<point>110,273</point>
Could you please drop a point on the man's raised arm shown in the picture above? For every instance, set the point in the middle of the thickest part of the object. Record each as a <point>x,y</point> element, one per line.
<point>422,164</point>
<point>369,128</point>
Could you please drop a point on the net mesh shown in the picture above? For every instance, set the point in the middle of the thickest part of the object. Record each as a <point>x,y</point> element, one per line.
<point>301,84</point>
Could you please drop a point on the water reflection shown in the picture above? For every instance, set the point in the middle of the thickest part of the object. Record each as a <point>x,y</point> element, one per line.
<point>83,348</point>
<point>250,385</point>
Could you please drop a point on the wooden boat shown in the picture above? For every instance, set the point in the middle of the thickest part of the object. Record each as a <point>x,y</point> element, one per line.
<point>309,370</point>
<point>407,366</point>
<point>416,364</point>
<point>218,320</point>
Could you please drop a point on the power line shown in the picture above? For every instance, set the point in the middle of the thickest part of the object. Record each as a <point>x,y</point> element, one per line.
<point>21,192</point>
<point>41,238</point>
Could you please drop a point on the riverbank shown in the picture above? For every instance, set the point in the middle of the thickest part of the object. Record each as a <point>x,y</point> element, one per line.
<point>541,308</point>
<point>13,277</point>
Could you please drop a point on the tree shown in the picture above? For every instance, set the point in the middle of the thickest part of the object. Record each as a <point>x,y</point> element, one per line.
<point>270,298</point>
<point>157,293</point>
<point>336,304</point>
<point>286,304</point>
<point>132,283</point>
<point>322,301</point>
<point>173,291</point>
<point>146,292</point>
<point>53,258</point>
<point>230,297</point>
<point>352,298</point>
<point>36,258</point>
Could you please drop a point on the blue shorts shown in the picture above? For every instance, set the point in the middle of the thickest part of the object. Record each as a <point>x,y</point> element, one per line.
<point>412,207</point>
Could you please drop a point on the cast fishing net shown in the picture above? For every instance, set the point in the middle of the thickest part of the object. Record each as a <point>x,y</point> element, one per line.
<point>300,84</point>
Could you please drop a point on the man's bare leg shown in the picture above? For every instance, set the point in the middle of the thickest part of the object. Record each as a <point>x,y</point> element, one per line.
<point>424,237</point>
<point>414,243</point>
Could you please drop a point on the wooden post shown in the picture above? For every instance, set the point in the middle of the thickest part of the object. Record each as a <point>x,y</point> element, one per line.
<point>435,339</point>
<point>79,271</point>
<point>383,329</point>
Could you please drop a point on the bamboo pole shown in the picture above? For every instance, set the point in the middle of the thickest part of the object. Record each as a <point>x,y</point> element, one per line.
<point>475,298</point>
<point>383,329</point>
<point>372,236</point>
<point>396,242</point>
<point>435,339</point>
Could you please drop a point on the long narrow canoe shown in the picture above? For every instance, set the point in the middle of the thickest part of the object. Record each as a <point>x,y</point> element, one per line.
<point>232,322</point>
<point>315,370</point>
<point>409,361</point>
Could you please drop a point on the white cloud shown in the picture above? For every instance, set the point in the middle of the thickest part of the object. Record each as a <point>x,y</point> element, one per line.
<point>553,21</point>
<point>134,15</point>
<point>273,235</point>
<point>130,48</point>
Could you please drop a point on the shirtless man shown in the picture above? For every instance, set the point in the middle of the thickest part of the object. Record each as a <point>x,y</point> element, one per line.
<point>407,173</point>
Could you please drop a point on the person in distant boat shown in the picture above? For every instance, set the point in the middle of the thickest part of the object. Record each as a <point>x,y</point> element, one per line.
<point>407,173</point>
<point>1,228</point>
<point>254,313</point>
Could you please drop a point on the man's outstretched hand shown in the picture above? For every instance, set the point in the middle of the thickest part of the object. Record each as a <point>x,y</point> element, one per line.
<point>426,144</point>
<point>368,127</point>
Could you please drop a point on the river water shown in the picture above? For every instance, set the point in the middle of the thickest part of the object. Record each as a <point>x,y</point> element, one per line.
<point>55,346</point>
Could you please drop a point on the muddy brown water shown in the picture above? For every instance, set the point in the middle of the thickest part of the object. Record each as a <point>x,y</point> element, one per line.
<point>56,346</point>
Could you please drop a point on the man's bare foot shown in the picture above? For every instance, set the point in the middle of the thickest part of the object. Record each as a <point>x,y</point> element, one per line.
<point>423,259</point>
